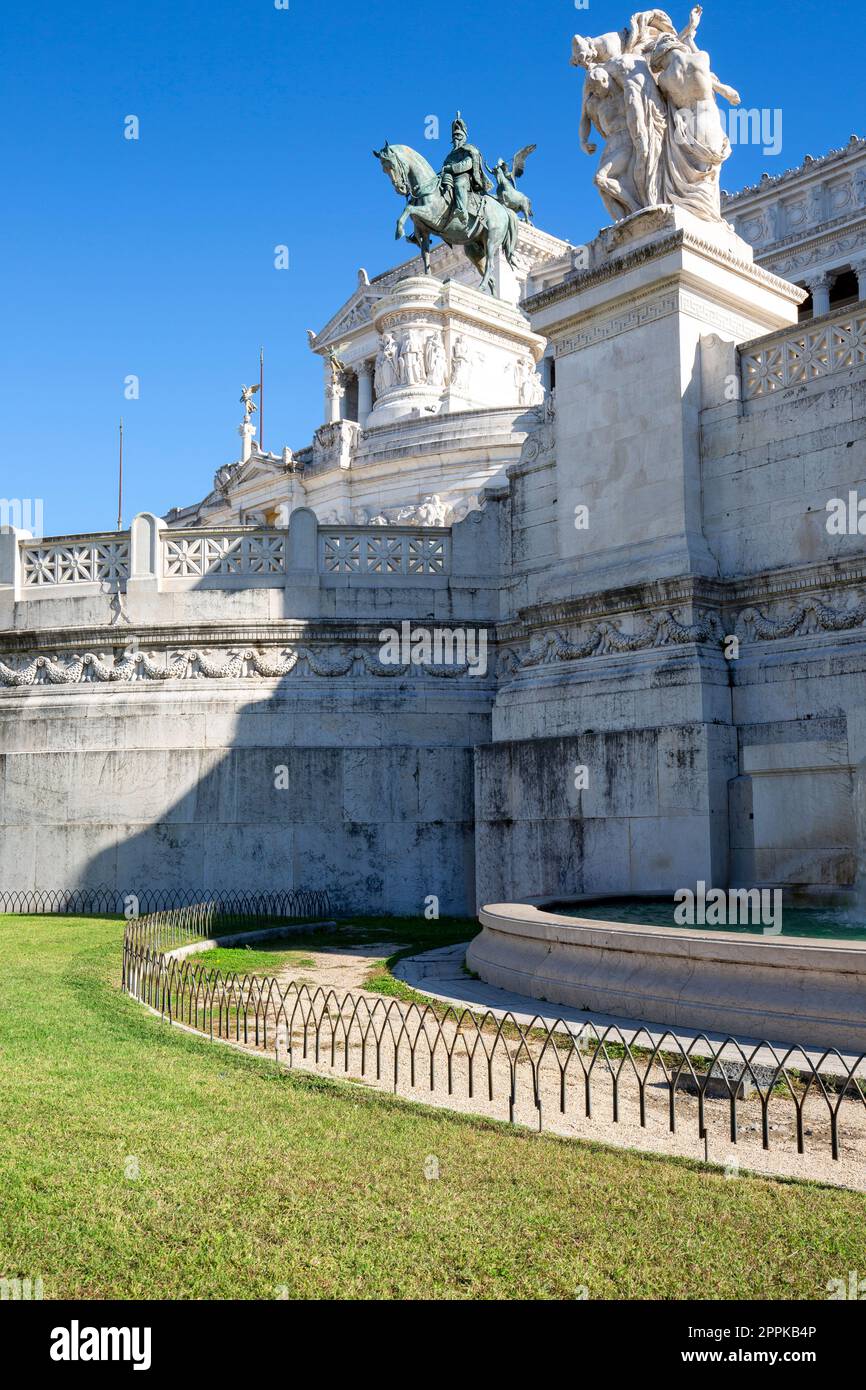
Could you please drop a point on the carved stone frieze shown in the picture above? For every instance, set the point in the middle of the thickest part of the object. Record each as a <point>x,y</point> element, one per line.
<point>195,663</point>
<point>813,616</point>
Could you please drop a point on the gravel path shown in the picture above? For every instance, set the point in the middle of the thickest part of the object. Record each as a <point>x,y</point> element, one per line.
<point>460,1060</point>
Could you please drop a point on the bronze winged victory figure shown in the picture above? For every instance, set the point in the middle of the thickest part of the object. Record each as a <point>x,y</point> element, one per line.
<point>506,176</point>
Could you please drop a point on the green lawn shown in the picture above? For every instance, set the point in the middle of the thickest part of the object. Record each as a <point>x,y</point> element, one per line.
<point>252,1182</point>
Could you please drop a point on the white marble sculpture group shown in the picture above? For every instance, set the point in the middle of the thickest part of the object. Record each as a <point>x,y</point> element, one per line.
<point>650,93</point>
<point>416,359</point>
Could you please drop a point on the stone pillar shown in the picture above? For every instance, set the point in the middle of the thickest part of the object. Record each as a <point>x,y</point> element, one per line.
<point>627,336</point>
<point>334,393</point>
<point>720,373</point>
<point>859,269</point>
<point>246,430</point>
<point>334,396</point>
<point>819,288</point>
<point>302,570</point>
<point>365,391</point>
<point>145,554</point>
<point>11,580</point>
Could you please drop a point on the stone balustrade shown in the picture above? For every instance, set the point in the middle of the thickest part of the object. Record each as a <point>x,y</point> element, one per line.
<point>75,560</point>
<point>197,554</point>
<point>793,356</point>
<point>170,559</point>
<point>380,551</point>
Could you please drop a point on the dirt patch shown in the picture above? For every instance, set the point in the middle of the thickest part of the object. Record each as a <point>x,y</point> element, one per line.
<point>340,968</point>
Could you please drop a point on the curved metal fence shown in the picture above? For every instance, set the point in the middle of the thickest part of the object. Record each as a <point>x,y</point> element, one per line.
<point>104,901</point>
<point>559,1076</point>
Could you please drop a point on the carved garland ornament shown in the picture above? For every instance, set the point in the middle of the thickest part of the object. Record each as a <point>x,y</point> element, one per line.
<point>195,664</point>
<point>605,638</point>
<point>664,630</point>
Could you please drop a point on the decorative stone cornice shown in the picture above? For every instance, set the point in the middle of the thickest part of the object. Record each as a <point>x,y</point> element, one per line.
<point>633,311</point>
<point>846,243</point>
<point>678,240</point>
<point>663,629</point>
<point>812,601</point>
<point>809,165</point>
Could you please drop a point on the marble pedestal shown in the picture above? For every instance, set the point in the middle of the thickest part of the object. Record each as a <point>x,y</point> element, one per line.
<point>444,347</point>
<point>627,332</point>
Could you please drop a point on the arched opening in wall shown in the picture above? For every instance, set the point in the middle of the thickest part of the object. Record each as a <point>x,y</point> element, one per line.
<point>844,290</point>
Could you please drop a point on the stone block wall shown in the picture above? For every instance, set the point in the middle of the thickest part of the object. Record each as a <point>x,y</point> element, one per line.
<point>653,816</point>
<point>769,468</point>
<point>147,791</point>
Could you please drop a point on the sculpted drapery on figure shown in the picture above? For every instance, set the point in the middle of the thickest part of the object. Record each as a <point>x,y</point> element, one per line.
<point>650,93</point>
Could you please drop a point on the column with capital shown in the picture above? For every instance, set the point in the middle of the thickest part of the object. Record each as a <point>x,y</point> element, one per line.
<point>246,430</point>
<point>334,393</point>
<point>859,269</point>
<point>819,288</point>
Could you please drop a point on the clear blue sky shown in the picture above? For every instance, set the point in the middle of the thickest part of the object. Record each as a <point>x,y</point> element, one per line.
<point>155,257</point>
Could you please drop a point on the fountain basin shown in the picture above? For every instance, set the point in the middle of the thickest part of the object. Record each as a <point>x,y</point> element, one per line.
<point>797,990</point>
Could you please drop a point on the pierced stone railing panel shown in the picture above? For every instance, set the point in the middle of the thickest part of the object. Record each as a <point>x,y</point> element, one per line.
<point>811,350</point>
<point>75,560</point>
<point>197,555</point>
<point>231,557</point>
<point>381,552</point>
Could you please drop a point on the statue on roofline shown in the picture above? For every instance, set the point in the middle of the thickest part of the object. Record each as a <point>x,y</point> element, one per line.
<point>249,405</point>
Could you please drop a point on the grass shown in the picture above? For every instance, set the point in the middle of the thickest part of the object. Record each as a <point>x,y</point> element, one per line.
<point>253,960</point>
<point>138,1162</point>
<point>410,934</point>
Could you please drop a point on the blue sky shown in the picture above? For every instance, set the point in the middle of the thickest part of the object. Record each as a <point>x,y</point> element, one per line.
<point>155,257</point>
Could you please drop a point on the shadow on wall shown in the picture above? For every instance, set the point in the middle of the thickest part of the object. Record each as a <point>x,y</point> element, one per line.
<point>300,789</point>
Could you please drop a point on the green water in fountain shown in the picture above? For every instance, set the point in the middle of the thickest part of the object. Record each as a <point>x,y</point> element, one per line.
<point>824,923</point>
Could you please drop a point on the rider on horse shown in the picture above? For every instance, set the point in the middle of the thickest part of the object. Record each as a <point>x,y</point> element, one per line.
<point>462,174</point>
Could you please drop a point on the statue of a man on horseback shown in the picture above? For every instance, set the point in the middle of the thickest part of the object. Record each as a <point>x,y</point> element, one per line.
<point>454,204</point>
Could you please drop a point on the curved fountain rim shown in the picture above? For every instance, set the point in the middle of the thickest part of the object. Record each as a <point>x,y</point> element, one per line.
<point>524,919</point>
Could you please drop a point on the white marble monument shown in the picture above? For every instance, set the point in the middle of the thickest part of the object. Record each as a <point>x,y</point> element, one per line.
<point>646,551</point>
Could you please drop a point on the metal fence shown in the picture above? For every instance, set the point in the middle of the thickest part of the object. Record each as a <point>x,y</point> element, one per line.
<point>103,901</point>
<point>558,1075</point>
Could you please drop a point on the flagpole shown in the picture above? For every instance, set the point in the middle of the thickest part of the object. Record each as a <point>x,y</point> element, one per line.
<point>120,481</point>
<point>262,399</point>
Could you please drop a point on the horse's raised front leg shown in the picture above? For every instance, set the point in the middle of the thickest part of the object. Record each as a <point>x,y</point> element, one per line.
<point>401,222</point>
